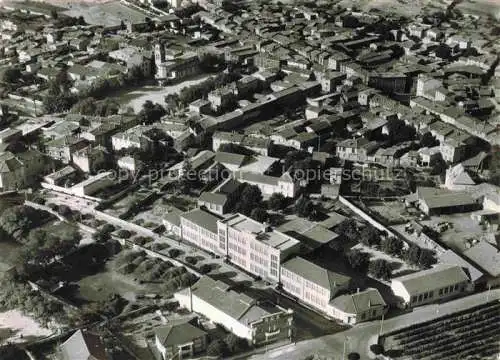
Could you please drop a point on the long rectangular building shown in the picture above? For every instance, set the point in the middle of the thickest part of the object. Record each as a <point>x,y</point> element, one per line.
<point>254,246</point>
<point>257,322</point>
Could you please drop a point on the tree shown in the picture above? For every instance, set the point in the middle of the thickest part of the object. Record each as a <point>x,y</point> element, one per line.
<point>235,344</point>
<point>205,268</point>
<point>380,269</point>
<point>11,76</point>
<point>277,201</point>
<point>251,198</point>
<point>210,62</point>
<point>173,253</point>
<point>304,207</point>
<point>217,348</point>
<point>101,236</point>
<point>358,260</point>
<point>413,254</point>
<point>188,178</point>
<point>392,246</point>
<point>53,14</point>
<point>427,258</point>
<point>259,214</point>
<point>427,140</point>
<point>438,166</point>
<point>12,352</point>
<point>124,234</point>
<point>348,228</point>
<point>151,113</point>
<point>369,236</point>
<point>17,221</point>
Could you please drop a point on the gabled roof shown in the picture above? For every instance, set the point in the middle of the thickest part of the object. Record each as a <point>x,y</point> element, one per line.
<point>239,306</point>
<point>178,334</point>
<point>316,274</point>
<point>359,302</point>
<point>441,198</point>
<point>229,158</point>
<point>213,198</point>
<point>438,277</point>
<point>459,176</point>
<point>486,256</point>
<point>83,345</point>
<point>202,218</point>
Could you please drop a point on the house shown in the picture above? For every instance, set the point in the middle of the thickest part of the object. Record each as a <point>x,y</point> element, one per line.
<point>63,148</point>
<point>198,162</point>
<point>174,66</point>
<point>361,306</point>
<point>434,201</point>
<point>132,57</point>
<point>258,322</point>
<point>312,284</point>
<point>427,286</point>
<point>214,202</point>
<point>91,159</point>
<point>61,176</point>
<point>20,170</point>
<point>83,345</point>
<point>254,247</point>
<point>355,149</point>
<point>180,341</point>
<point>269,185</point>
<point>222,137</point>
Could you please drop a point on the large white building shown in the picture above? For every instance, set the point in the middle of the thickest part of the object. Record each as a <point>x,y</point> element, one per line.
<point>438,283</point>
<point>257,322</point>
<point>254,246</point>
<point>311,283</point>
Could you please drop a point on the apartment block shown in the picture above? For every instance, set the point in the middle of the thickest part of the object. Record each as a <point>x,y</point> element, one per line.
<point>254,246</point>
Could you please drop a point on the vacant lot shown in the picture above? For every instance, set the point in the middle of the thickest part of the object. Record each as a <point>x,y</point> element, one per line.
<point>394,212</point>
<point>463,229</point>
<point>136,98</point>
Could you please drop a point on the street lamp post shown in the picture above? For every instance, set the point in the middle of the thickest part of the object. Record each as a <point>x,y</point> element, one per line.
<point>346,339</point>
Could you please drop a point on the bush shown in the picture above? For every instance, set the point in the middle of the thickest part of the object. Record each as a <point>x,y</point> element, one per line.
<point>235,344</point>
<point>205,268</point>
<point>191,260</point>
<point>353,356</point>
<point>381,269</point>
<point>123,234</point>
<point>217,348</point>
<point>159,246</point>
<point>173,253</point>
<point>377,349</point>
<point>108,228</point>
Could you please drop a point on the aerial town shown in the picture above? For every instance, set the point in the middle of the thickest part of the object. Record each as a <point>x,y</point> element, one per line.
<point>250,179</point>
